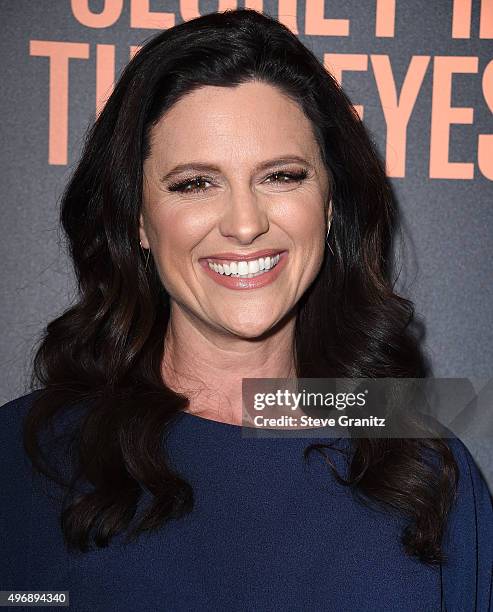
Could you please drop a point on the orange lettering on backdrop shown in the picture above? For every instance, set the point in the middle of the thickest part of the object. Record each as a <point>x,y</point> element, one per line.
<point>461,19</point>
<point>105,74</point>
<point>385,21</point>
<point>316,24</point>
<point>133,50</point>
<point>59,53</point>
<point>443,116</point>
<point>142,17</point>
<point>110,14</point>
<point>258,5</point>
<point>287,11</point>
<point>288,14</point>
<point>397,110</point>
<point>486,19</point>
<point>485,141</point>
<point>337,63</point>
<point>190,8</point>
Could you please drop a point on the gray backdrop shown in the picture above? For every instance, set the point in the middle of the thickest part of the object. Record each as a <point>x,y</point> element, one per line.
<point>447,222</point>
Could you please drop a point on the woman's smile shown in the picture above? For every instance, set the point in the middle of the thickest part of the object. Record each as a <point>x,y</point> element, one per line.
<point>242,274</point>
<point>235,198</point>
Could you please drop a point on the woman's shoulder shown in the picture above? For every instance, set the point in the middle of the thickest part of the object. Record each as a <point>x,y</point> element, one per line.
<point>12,408</point>
<point>13,459</point>
<point>51,431</point>
<point>17,478</point>
<point>12,415</point>
<point>468,537</point>
<point>473,504</point>
<point>473,493</point>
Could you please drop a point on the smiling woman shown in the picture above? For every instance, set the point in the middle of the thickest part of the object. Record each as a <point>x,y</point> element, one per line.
<point>230,219</point>
<point>250,213</point>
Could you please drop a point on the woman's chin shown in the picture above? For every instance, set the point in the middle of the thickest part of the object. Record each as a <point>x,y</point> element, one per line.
<point>249,329</point>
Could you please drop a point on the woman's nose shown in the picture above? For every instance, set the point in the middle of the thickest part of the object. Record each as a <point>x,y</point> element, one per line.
<point>244,217</point>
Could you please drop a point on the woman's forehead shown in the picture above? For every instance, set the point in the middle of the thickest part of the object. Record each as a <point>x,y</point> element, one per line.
<point>253,119</point>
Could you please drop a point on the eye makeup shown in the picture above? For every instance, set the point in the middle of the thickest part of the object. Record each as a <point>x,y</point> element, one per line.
<point>288,177</point>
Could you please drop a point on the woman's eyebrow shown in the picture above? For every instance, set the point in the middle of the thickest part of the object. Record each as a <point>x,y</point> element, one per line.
<point>205,167</point>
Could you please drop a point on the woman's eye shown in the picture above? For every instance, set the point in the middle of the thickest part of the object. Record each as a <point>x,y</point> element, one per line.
<point>190,185</point>
<point>288,177</point>
<point>196,184</point>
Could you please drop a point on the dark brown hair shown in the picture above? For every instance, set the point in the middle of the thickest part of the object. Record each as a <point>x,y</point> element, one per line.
<point>99,363</point>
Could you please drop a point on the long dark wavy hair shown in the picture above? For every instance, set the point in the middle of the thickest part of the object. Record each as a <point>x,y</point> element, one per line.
<point>99,363</point>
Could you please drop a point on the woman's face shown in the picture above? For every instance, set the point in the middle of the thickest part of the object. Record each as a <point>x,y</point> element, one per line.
<point>225,179</point>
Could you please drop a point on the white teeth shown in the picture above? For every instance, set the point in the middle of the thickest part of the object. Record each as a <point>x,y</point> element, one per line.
<point>242,268</point>
<point>253,266</point>
<point>246,269</point>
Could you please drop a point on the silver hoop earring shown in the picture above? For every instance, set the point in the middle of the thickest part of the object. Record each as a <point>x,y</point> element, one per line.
<point>327,238</point>
<point>147,256</point>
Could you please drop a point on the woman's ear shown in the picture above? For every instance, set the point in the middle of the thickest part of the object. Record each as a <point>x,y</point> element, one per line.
<point>142,233</point>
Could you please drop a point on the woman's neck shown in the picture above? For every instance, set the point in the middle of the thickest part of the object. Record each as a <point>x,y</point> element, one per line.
<point>208,366</point>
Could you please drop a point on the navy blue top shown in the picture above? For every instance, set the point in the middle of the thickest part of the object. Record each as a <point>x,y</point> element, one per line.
<point>267,532</point>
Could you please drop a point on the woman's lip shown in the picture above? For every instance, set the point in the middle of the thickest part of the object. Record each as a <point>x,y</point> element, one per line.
<point>236,282</point>
<point>249,257</point>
